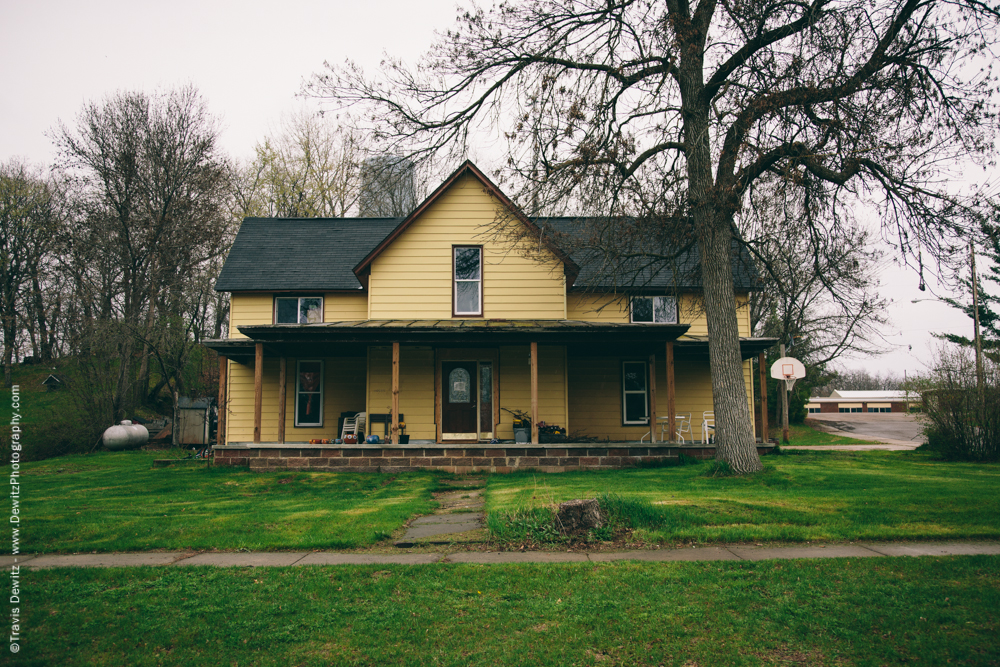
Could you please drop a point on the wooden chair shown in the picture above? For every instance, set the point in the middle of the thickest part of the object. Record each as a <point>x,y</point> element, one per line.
<point>355,425</point>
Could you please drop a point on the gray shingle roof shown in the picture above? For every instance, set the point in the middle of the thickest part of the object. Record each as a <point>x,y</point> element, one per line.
<point>683,272</point>
<point>306,254</point>
<point>317,254</point>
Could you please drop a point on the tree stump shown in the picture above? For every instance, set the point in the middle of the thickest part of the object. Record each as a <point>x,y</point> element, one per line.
<point>579,515</point>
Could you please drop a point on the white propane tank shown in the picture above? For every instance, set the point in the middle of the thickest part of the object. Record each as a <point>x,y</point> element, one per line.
<point>138,434</point>
<point>117,437</point>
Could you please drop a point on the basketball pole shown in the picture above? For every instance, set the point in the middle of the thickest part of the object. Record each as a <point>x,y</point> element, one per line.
<point>784,404</point>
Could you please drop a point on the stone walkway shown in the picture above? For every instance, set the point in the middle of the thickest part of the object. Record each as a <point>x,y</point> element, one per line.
<point>713,553</point>
<point>458,519</point>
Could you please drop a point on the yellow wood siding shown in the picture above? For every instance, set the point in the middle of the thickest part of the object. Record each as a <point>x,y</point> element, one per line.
<point>595,394</point>
<point>249,309</point>
<point>597,308</point>
<point>259,309</point>
<point>340,307</point>
<point>412,278</point>
<point>343,390</point>
<point>515,385</point>
<point>416,389</point>
<point>614,308</point>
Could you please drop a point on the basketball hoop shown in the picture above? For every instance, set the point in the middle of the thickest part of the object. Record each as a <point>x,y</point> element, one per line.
<point>788,369</point>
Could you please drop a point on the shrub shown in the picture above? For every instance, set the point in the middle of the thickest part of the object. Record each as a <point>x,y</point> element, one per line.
<point>963,421</point>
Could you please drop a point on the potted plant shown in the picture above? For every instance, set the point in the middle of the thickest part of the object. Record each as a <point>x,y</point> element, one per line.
<point>403,438</point>
<point>522,426</point>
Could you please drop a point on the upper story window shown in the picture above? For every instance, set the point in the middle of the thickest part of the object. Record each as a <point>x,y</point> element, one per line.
<point>467,274</point>
<point>298,309</point>
<point>654,309</point>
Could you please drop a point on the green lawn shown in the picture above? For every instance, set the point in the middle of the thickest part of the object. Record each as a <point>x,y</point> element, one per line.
<point>806,436</point>
<point>886,611</point>
<point>802,496</point>
<point>119,502</point>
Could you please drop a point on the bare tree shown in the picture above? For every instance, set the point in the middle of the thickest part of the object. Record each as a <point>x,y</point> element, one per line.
<point>151,188</point>
<point>686,106</point>
<point>28,219</point>
<point>388,187</point>
<point>307,168</point>
<point>819,289</point>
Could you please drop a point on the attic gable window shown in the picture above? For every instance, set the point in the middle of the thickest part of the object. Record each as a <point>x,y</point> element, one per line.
<point>298,310</point>
<point>467,273</point>
<point>654,309</point>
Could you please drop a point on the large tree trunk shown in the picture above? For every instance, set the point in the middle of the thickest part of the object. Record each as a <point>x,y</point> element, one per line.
<point>734,437</point>
<point>712,212</point>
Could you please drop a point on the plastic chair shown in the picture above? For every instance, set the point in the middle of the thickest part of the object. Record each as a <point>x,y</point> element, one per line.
<point>707,426</point>
<point>355,425</point>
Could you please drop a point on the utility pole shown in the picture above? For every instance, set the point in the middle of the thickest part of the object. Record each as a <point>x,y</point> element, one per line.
<point>975,310</point>
<point>784,405</point>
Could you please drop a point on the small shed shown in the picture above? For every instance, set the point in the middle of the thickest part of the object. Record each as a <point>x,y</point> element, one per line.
<point>194,420</point>
<point>54,382</point>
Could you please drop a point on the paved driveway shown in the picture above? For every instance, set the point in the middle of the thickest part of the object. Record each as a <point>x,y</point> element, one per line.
<point>896,430</point>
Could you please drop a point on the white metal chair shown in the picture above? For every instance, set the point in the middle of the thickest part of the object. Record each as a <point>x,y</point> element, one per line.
<point>683,423</point>
<point>355,424</point>
<point>707,426</point>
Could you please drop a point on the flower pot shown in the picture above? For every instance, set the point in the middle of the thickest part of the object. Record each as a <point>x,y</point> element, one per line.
<point>522,436</point>
<point>404,439</point>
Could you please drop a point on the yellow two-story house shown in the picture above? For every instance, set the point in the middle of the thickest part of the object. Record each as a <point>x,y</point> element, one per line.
<point>435,322</point>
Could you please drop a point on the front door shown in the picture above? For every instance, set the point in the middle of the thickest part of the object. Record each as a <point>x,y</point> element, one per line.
<point>458,400</point>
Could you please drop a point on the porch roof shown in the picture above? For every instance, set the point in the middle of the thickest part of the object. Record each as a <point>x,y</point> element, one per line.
<point>697,347</point>
<point>298,339</point>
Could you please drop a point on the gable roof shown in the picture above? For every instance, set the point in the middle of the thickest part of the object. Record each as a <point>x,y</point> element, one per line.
<point>466,167</point>
<point>335,254</point>
<point>300,254</point>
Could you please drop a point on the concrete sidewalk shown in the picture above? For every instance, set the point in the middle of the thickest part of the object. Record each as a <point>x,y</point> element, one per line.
<point>300,558</point>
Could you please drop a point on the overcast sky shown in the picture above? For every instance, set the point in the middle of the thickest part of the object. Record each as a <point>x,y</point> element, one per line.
<point>249,59</point>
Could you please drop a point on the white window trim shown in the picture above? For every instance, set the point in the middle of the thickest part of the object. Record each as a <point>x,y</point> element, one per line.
<point>644,392</point>
<point>322,391</point>
<point>322,307</point>
<point>454,281</point>
<point>674,309</point>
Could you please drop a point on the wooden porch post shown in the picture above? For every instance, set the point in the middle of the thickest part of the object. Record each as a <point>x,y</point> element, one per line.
<point>220,432</point>
<point>282,371</point>
<point>671,393</point>
<point>534,393</point>
<point>258,389</point>
<point>761,368</point>
<point>652,398</point>
<point>394,431</point>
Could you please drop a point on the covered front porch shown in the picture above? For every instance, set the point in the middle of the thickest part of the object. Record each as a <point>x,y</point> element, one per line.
<point>604,382</point>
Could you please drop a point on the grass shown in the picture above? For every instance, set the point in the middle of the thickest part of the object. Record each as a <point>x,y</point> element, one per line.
<point>116,501</point>
<point>802,496</point>
<point>887,611</point>
<point>806,436</point>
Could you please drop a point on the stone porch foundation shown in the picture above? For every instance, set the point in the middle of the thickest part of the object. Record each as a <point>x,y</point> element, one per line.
<point>456,458</point>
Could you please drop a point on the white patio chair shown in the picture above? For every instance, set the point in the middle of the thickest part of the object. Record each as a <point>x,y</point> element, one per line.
<point>707,426</point>
<point>683,423</point>
<point>355,424</point>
